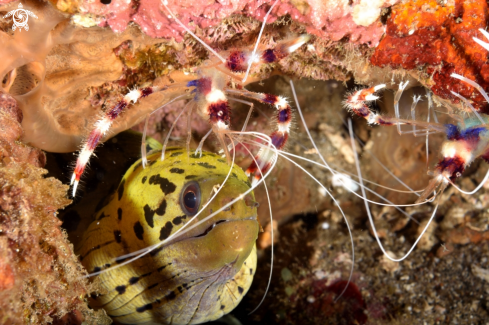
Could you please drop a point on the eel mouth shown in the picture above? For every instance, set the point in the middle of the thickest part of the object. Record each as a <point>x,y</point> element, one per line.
<point>196,234</point>
<point>206,231</point>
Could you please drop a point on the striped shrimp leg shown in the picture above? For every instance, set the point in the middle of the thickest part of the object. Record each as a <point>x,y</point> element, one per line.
<point>265,157</point>
<point>357,103</point>
<point>102,126</point>
<point>240,61</point>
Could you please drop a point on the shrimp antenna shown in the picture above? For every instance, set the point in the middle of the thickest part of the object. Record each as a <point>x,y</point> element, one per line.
<point>171,129</point>
<point>144,160</point>
<point>253,58</point>
<point>332,197</point>
<point>472,83</point>
<point>384,167</point>
<point>285,154</point>
<point>364,195</point>
<point>475,189</point>
<point>430,107</point>
<point>271,233</point>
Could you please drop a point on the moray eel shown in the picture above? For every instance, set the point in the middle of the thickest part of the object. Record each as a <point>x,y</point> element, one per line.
<point>198,276</point>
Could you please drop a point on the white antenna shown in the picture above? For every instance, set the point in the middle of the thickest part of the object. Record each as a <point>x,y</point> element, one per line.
<point>252,58</point>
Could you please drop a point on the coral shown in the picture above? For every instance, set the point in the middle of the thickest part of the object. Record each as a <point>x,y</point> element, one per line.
<point>40,276</point>
<point>332,19</point>
<point>11,131</point>
<point>436,39</point>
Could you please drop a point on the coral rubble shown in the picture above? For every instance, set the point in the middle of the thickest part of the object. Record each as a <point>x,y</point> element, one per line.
<point>442,286</point>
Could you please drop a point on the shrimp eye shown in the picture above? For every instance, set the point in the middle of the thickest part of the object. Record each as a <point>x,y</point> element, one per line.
<point>190,198</point>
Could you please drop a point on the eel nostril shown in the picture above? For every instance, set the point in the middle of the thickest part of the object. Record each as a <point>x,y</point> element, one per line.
<point>249,201</point>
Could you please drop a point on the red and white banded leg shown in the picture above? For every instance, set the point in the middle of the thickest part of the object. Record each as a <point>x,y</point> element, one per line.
<point>265,157</point>
<point>102,126</point>
<point>357,103</point>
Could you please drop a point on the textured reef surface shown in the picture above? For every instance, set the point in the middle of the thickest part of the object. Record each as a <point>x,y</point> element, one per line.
<point>41,279</point>
<point>330,19</point>
<point>80,57</point>
<point>436,40</point>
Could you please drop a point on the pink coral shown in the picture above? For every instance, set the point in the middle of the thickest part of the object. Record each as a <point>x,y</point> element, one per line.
<point>331,19</point>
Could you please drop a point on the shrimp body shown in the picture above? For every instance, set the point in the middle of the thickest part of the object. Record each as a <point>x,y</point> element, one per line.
<point>197,276</point>
<point>465,143</point>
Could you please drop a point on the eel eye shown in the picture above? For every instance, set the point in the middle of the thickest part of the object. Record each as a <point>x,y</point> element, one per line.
<point>190,198</point>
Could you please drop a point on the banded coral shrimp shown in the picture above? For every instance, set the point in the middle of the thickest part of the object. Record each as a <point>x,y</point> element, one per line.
<point>465,141</point>
<point>210,91</point>
<point>225,148</point>
<point>204,86</point>
<point>384,291</point>
<point>350,294</point>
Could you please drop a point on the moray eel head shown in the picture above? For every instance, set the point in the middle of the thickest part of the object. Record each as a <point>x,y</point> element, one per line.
<point>196,275</point>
